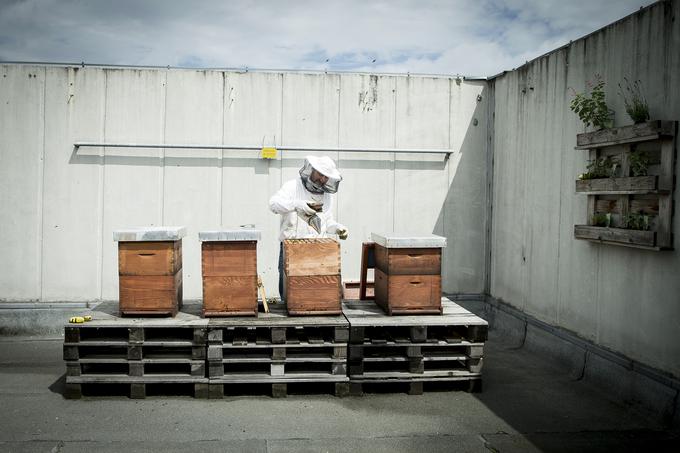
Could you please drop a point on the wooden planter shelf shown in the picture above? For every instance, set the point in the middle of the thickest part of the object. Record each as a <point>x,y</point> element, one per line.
<point>617,236</point>
<point>650,195</point>
<point>630,185</point>
<point>643,132</point>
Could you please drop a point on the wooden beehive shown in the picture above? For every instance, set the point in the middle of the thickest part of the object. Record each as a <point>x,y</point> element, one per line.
<point>150,270</point>
<point>408,273</point>
<point>312,282</point>
<point>229,267</point>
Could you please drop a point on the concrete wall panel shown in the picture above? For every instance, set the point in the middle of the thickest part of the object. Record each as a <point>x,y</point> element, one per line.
<point>366,196</point>
<point>463,218</point>
<point>22,120</point>
<point>192,177</point>
<point>509,250</point>
<point>252,106</point>
<point>133,177</point>
<point>421,180</point>
<point>74,106</point>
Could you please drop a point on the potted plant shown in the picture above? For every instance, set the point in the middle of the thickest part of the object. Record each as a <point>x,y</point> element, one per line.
<point>634,101</point>
<point>601,167</point>
<point>639,162</point>
<point>636,221</point>
<point>592,108</point>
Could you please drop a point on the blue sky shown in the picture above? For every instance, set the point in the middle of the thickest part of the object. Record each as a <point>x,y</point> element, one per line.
<point>466,37</point>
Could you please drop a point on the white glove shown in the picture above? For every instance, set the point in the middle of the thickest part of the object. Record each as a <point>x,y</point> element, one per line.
<point>342,232</point>
<point>302,207</point>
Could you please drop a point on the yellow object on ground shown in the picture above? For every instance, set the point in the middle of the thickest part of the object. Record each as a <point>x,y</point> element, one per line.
<point>79,319</point>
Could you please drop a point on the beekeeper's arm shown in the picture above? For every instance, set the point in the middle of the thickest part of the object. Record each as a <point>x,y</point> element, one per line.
<point>284,201</point>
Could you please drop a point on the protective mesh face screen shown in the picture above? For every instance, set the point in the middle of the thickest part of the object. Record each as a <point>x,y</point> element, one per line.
<point>331,185</point>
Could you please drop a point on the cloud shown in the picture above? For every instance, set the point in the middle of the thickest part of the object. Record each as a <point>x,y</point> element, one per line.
<point>430,36</point>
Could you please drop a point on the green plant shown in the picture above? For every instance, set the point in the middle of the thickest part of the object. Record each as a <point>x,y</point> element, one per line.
<point>602,220</point>
<point>636,221</point>
<point>601,167</point>
<point>634,100</point>
<point>592,108</point>
<point>639,162</point>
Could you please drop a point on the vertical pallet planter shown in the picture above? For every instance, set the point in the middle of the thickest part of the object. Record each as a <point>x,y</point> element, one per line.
<point>650,195</point>
<point>229,271</point>
<point>150,270</point>
<point>408,273</point>
<point>312,281</point>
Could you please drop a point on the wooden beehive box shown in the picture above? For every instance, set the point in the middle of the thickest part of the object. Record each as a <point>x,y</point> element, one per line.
<point>229,268</point>
<point>150,270</point>
<point>312,282</point>
<point>408,273</point>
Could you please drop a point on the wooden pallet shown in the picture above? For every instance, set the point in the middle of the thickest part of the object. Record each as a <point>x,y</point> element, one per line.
<point>136,387</point>
<point>275,348</point>
<point>133,353</point>
<point>278,389</point>
<point>369,323</point>
<point>358,387</point>
<point>414,349</point>
<point>441,359</point>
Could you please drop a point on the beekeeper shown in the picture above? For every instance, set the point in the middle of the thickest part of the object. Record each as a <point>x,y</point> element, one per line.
<point>306,204</point>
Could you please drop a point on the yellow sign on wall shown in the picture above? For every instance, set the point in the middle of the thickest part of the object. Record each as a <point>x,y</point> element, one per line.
<point>268,153</point>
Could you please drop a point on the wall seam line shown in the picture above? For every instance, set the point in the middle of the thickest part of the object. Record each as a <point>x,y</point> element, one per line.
<point>281,130</point>
<point>224,119</point>
<point>558,307</point>
<point>41,197</point>
<point>102,182</point>
<point>394,162</point>
<point>489,174</point>
<point>161,183</point>
<point>337,154</point>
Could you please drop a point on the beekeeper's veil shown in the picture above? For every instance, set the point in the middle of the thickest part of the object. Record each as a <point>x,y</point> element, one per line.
<point>326,167</point>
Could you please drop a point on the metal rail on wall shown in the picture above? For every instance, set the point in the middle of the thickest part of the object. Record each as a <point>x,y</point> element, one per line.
<point>447,152</point>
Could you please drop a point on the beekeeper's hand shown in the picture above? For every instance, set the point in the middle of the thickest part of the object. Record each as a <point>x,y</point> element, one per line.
<point>342,232</point>
<point>303,207</point>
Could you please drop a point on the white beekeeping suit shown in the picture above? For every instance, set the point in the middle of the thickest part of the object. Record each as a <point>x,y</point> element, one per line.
<point>309,197</point>
<point>296,198</point>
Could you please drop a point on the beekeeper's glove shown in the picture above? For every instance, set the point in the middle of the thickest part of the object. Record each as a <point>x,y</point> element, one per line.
<point>302,207</point>
<point>342,232</point>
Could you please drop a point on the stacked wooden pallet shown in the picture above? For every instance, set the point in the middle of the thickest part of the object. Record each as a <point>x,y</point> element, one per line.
<point>277,350</point>
<point>137,354</point>
<point>414,349</point>
<point>212,357</point>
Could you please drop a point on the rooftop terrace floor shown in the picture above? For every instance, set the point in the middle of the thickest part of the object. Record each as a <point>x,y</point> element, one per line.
<point>529,403</point>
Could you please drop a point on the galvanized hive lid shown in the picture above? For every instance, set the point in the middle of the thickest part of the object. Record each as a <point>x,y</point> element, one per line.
<point>159,233</point>
<point>408,240</point>
<point>231,234</point>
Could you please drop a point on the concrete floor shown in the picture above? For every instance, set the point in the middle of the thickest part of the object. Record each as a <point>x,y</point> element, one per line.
<point>528,404</point>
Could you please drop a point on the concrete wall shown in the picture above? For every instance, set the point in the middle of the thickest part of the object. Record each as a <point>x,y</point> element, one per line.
<point>624,299</point>
<point>59,206</point>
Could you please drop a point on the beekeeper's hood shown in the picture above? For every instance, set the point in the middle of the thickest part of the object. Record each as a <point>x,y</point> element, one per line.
<point>326,167</point>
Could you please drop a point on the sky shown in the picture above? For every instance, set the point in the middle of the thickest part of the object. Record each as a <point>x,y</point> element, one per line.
<point>452,37</point>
